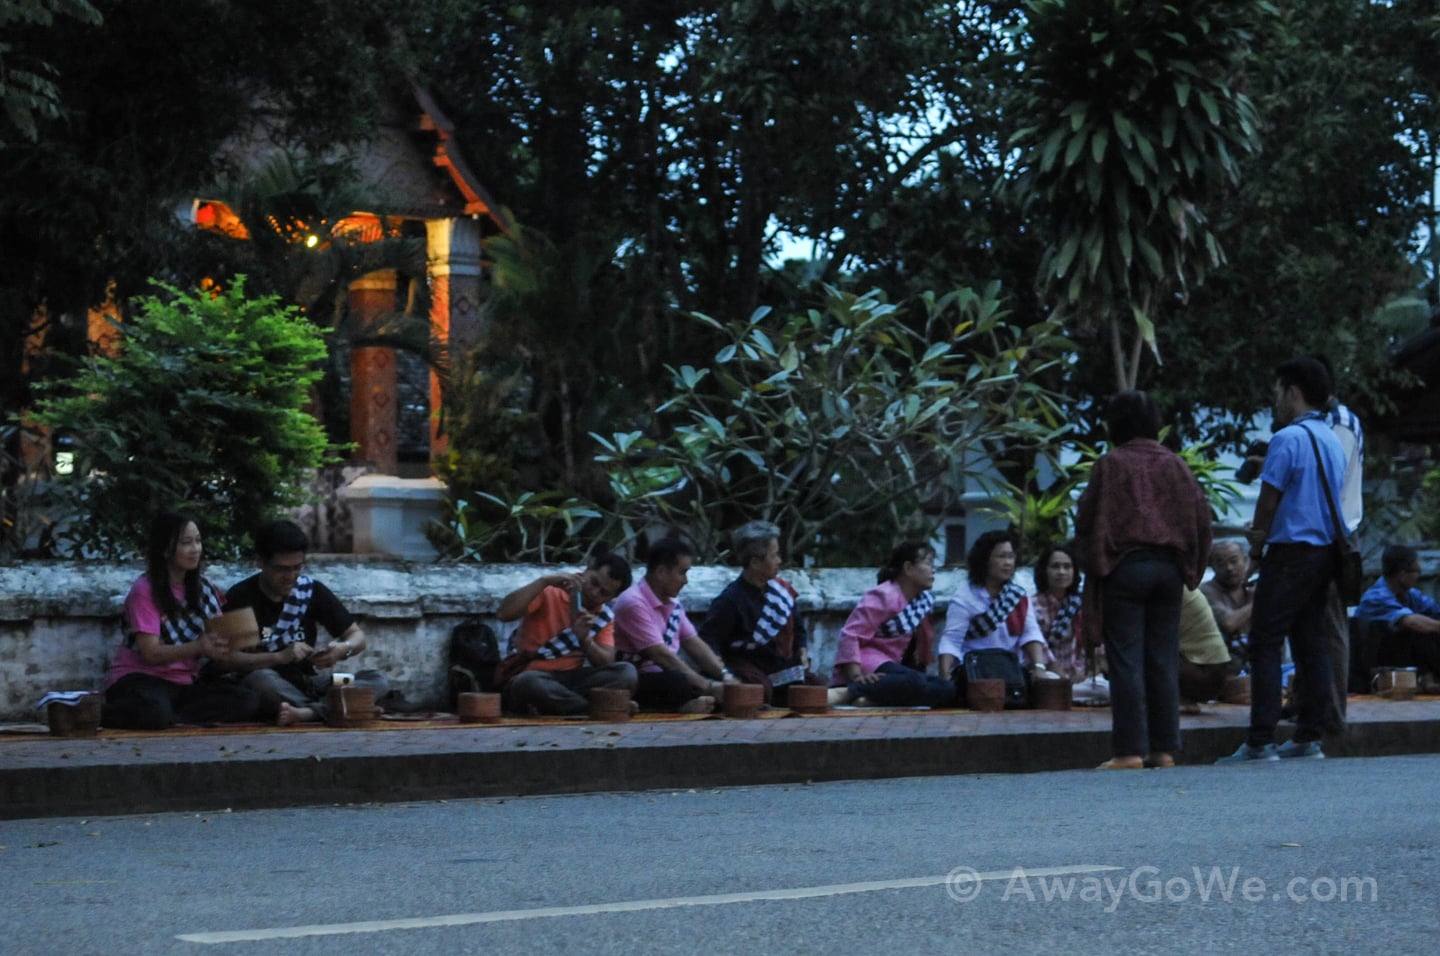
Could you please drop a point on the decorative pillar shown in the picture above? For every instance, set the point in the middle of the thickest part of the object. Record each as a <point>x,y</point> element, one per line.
<point>453,251</point>
<point>374,415</point>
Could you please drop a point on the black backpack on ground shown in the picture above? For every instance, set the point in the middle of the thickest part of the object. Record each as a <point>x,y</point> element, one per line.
<point>474,653</point>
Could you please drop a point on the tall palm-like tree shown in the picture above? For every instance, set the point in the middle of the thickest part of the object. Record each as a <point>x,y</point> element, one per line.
<point>1129,118</point>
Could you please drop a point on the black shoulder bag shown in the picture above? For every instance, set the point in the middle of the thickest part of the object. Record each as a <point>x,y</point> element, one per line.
<point>1351,577</point>
<point>992,662</point>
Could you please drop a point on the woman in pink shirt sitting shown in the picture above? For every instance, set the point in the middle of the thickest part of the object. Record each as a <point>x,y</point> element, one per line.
<point>154,678</point>
<point>887,642</point>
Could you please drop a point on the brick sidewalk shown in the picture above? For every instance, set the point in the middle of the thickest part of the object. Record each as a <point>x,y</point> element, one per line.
<point>239,769</point>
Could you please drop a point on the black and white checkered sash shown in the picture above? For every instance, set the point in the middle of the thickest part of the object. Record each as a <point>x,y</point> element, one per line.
<point>671,637</point>
<point>187,624</point>
<point>566,642</point>
<point>1062,628</point>
<point>775,613</point>
<point>1009,598</point>
<point>288,627</point>
<point>910,616</point>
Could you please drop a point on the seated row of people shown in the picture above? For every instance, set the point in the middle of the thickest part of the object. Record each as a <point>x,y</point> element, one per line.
<point>599,629</point>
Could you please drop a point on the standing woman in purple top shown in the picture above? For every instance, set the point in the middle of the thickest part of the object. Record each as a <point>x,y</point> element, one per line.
<point>1142,534</point>
<point>154,678</point>
<point>890,630</point>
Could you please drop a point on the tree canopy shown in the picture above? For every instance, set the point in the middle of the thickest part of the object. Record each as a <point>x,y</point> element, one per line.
<point>661,157</point>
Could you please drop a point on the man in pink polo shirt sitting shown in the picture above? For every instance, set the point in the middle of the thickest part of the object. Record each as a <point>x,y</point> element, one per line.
<point>651,629</point>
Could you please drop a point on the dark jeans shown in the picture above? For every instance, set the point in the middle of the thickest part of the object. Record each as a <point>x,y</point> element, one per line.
<point>1400,648</point>
<point>1290,599</point>
<point>1140,612</point>
<point>145,702</point>
<point>1337,649</point>
<point>664,690</point>
<point>901,686</point>
<point>1201,682</point>
<point>565,692</point>
<point>272,687</point>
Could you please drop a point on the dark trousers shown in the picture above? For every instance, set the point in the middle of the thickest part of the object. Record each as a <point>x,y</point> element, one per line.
<point>1291,599</point>
<point>272,687</point>
<point>901,686</point>
<point>1199,682</point>
<point>664,690</point>
<point>1337,649</point>
<point>145,702</point>
<point>748,671</point>
<point>1400,648</point>
<point>565,692</point>
<point>1140,611</point>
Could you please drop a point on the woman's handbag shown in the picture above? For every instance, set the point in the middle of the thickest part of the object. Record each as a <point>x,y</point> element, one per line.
<point>995,662</point>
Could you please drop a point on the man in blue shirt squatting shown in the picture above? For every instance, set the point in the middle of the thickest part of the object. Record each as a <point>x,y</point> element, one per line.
<point>1292,537</point>
<point>1408,622</point>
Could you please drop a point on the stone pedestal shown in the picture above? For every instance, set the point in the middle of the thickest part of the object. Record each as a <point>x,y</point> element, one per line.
<point>390,514</point>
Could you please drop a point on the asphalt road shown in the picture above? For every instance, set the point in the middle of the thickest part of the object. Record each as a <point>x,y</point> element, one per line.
<point>1334,856</point>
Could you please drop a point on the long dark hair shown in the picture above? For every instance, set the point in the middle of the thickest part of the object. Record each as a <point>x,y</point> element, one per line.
<point>977,561</point>
<point>1042,576</point>
<point>165,531</point>
<point>905,551</point>
<point>1130,415</point>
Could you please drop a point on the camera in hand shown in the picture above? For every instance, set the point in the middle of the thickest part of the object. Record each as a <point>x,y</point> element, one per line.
<point>1249,469</point>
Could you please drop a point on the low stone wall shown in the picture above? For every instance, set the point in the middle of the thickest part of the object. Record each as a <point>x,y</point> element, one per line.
<point>59,622</point>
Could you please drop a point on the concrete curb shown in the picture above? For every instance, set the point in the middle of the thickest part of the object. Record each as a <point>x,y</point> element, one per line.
<point>45,777</point>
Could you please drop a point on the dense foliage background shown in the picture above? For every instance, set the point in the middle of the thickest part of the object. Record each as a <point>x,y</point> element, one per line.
<point>720,157</point>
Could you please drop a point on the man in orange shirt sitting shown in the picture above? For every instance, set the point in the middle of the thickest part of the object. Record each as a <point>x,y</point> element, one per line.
<point>565,646</point>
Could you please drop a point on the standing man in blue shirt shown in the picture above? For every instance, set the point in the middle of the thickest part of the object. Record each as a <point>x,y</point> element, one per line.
<point>1292,537</point>
<point>1349,500</point>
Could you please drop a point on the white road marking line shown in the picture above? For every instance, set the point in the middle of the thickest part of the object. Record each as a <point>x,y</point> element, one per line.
<point>631,906</point>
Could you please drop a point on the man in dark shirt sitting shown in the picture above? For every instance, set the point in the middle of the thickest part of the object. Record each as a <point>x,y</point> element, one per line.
<point>289,668</point>
<point>754,624</point>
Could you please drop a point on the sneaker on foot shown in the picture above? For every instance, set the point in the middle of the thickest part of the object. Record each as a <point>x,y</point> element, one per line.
<point>1301,749</point>
<point>1249,754</point>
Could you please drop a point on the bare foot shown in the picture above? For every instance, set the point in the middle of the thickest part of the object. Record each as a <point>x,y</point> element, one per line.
<point>700,705</point>
<point>290,714</point>
<point>839,696</point>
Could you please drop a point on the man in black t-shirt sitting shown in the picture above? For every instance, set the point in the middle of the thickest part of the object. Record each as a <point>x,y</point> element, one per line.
<point>289,667</point>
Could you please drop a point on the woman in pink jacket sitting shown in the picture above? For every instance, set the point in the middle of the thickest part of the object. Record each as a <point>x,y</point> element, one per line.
<point>888,640</point>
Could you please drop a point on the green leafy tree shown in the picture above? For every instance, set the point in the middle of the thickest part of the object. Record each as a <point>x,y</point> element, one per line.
<point>202,406</point>
<point>1129,123</point>
<point>1039,516</point>
<point>154,101</point>
<point>1321,234</point>
<point>28,88</point>
<point>844,425</point>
